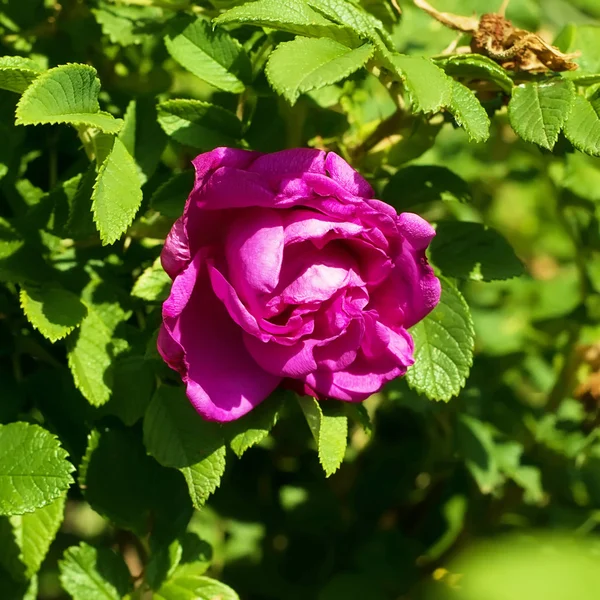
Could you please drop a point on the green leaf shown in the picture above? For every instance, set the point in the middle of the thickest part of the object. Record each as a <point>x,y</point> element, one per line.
<point>357,412</point>
<point>30,537</point>
<point>475,67</point>
<point>582,176</point>
<point>89,573</point>
<point>428,87</point>
<point>306,64</point>
<point>117,194</point>
<point>16,73</point>
<point>468,113</point>
<point>143,137</point>
<point>153,284</point>
<point>92,348</point>
<point>162,564</point>
<point>187,586</point>
<point>538,111</point>
<point>473,251</point>
<point>199,124</point>
<point>293,16</point>
<point>582,128</point>
<point>126,25</point>
<point>177,436</point>
<point>254,427</point>
<point>212,55</point>
<point>53,311</point>
<point>329,427</point>
<point>169,199</point>
<point>34,469</point>
<point>150,497</point>
<point>419,184</point>
<point>132,389</point>
<point>65,94</point>
<point>444,342</point>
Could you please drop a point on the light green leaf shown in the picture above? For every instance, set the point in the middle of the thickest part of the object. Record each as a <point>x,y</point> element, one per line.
<point>65,94</point>
<point>30,537</point>
<point>177,436</point>
<point>117,194</point>
<point>419,184</point>
<point>444,342</point>
<point>169,199</point>
<point>429,88</point>
<point>468,113</point>
<point>153,284</point>
<point>254,427</point>
<point>53,311</point>
<point>187,586</point>
<point>92,348</point>
<point>16,73</point>
<point>582,176</point>
<point>305,64</point>
<point>329,427</point>
<point>212,55</point>
<point>473,251</point>
<point>199,124</point>
<point>476,67</point>
<point>538,111</point>
<point>34,469</point>
<point>126,25</point>
<point>89,573</point>
<point>293,16</point>
<point>582,128</point>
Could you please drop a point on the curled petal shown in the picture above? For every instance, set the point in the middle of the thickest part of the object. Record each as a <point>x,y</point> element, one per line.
<point>341,172</point>
<point>175,255</point>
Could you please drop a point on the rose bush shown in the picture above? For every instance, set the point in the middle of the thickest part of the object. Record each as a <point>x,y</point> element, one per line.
<point>286,270</point>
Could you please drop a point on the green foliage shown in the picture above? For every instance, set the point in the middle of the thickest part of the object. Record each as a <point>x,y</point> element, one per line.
<point>443,347</point>
<point>111,484</point>
<point>34,469</point>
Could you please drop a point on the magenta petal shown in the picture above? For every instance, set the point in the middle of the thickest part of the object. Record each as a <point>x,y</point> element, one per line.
<point>416,230</point>
<point>254,251</point>
<point>302,225</point>
<point>285,361</point>
<point>223,381</point>
<point>222,157</point>
<point>290,163</point>
<point>347,177</point>
<point>175,255</point>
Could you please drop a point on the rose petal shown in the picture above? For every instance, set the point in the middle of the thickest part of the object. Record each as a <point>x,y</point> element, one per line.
<point>347,177</point>
<point>175,255</point>
<point>222,157</point>
<point>284,361</point>
<point>301,225</point>
<point>223,381</point>
<point>290,163</point>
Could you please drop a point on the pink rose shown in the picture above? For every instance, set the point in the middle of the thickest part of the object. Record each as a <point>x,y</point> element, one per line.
<point>286,270</point>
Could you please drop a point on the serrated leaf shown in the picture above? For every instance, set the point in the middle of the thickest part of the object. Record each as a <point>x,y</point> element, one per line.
<point>306,64</point>
<point>29,538</point>
<point>176,435</point>
<point>17,72</point>
<point>293,16</point>
<point>150,497</point>
<point>92,348</point>
<point>418,184</point>
<point>329,427</point>
<point>468,113</point>
<point>212,55</point>
<point>34,469</point>
<point>53,311</point>
<point>444,342</point>
<point>133,386</point>
<point>65,94</point>
<point>169,199</point>
<point>188,586</point>
<point>538,111</point>
<point>199,124</point>
<point>429,88</point>
<point>471,67</point>
<point>126,25</point>
<point>117,194</point>
<point>89,573</point>
<point>153,284</point>
<point>582,128</point>
<point>254,427</point>
<point>473,251</point>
